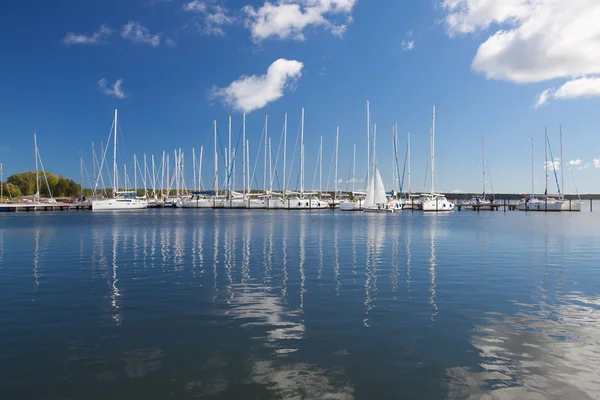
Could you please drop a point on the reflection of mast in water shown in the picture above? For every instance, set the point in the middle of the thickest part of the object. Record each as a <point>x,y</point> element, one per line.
<point>373,247</point>
<point>246,254</point>
<point>394,272</point>
<point>284,262</point>
<point>336,269</point>
<point>153,249</point>
<point>1,247</point>
<point>115,294</point>
<point>302,258</point>
<point>178,248</point>
<point>215,259</point>
<point>408,256</point>
<point>432,265</point>
<point>36,258</point>
<point>320,269</point>
<point>228,259</point>
<point>354,256</point>
<point>268,255</point>
<point>165,244</point>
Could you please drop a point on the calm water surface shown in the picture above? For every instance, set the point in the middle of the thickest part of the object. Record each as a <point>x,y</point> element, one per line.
<point>268,305</point>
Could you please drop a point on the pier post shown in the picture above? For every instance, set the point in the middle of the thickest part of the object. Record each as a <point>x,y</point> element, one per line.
<point>590,204</point>
<point>436,204</point>
<point>570,205</point>
<point>412,208</point>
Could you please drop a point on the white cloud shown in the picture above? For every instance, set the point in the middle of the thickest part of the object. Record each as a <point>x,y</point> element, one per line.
<point>534,41</point>
<point>407,45</point>
<point>575,163</point>
<point>250,93</point>
<point>286,19</point>
<point>214,16</point>
<point>95,38</point>
<point>170,42</point>
<point>552,165</point>
<point>596,162</point>
<point>581,87</point>
<point>116,90</point>
<point>137,33</point>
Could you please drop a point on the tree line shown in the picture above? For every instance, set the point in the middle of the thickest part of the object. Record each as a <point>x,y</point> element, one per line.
<point>50,185</point>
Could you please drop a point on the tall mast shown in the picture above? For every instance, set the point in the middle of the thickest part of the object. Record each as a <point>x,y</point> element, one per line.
<point>229,163</point>
<point>265,151</point>
<point>284,151</point>
<point>393,158</point>
<point>248,164</point>
<point>409,190</point>
<point>200,169</point>
<point>125,176</point>
<point>302,154</point>
<point>321,166</point>
<point>532,171</point>
<point>433,152</point>
<point>115,173</point>
<point>562,176</point>
<point>216,178</point>
<point>80,177</point>
<point>368,141</point>
<point>135,174</point>
<point>145,176</point>
<point>1,184</point>
<point>153,177</point>
<point>483,166</point>
<point>94,168</point>
<point>337,134</point>
<point>270,168</point>
<point>37,173</point>
<point>194,168</point>
<point>244,161</point>
<point>546,155</point>
<point>374,157</point>
<point>353,167</point>
<point>396,144</point>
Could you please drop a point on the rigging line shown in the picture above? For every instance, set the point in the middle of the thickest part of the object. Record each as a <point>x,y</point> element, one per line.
<point>253,176</point>
<point>277,157</point>
<point>100,168</point>
<point>330,167</point>
<point>404,169</point>
<point>315,175</point>
<point>397,166</point>
<point>553,166</point>
<point>293,158</point>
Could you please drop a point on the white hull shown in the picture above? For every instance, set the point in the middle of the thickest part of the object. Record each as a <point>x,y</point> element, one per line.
<point>378,209</point>
<point>440,204</point>
<point>119,204</point>
<point>351,206</point>
<point>553,206</point>
<point>305,204</point>
<point>199,203</point>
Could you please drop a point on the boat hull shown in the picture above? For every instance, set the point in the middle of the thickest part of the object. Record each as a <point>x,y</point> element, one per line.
<point>119,205</point>
<point>555,206</point>
<point>437,205</point>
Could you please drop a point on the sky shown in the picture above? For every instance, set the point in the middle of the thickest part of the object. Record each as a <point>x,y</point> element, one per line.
<point>500,70</point>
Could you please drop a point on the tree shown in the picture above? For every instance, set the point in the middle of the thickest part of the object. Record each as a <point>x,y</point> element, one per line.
<point>11,190</point>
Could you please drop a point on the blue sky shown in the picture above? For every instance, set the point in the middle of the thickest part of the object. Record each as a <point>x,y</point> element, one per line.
<point>503,71</point>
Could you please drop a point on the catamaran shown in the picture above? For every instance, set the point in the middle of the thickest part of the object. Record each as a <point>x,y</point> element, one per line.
<point>434,201</point>
<point>121,200</point>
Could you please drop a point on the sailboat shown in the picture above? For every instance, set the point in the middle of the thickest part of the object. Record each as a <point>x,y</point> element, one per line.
<point>123,200</point>
<point>434,201</point>
<point>376,200</point>
<point>477,202</point>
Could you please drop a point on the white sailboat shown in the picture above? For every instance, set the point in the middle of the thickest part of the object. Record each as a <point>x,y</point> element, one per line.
<point>481,203</point>
<point>124,200</point>
<point>434,201</point>
<point>376,200</point>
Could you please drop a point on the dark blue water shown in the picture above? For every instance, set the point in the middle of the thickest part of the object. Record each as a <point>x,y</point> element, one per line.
<point>259,305</point>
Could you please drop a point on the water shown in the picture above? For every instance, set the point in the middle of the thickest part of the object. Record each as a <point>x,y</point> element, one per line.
<point>259,305</point>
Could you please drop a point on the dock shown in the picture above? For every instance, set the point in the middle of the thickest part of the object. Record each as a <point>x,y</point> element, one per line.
<point>487,207</point>
<point>34,207</point>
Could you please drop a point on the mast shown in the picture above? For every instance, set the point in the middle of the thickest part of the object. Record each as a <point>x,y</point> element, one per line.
<point>483,166</point>
<point>353,167</point>
<point>115,174</point>
<point>145,176</point>
<point>1,184</point>
<point>248,165</point>
<point>135,174</point>
<point>562,176</point>
<point>337,134</point>
<point>321,166</point>
<point>433,152</point>
<point>546,155</point>
<point>368,141</point>
<point>125,176</point>
<point>270,168</point>
<point>284,151</point>
<point>393,158</point>
<point>194,168</point>
<point>80,177</point>
<point>216,181</point>
<point>229,163</point>
<point>409,191</point>
<point>302,155</point>
<point>37,173</point>
<point>244,161</point>
<point>94,167</point>
<point>532,171</point>
<point>200,169</point>
<point>153,178</point>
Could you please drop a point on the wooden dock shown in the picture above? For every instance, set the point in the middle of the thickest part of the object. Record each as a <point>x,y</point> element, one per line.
<point>487,207</point>
<point>34,207</point>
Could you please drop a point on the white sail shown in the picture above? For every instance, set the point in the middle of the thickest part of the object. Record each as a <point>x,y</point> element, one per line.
<point>379,190</point>
<point>370,199</point>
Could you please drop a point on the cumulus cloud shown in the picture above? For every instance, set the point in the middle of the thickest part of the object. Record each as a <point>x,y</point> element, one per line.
<point>534,41</point>
<point>576,88</point>
<point>596,162</point>
<point>575,163</point>
<point>114,90</point>
<point>136,33</point>
<point>407,45</point>
<point>95,38</point>
<point>552,165</point>
<point>286,19</point>
<point>213,16</point>
<point>249,93</point>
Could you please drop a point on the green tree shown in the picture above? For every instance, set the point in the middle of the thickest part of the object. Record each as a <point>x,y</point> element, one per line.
<point>11,190</point>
